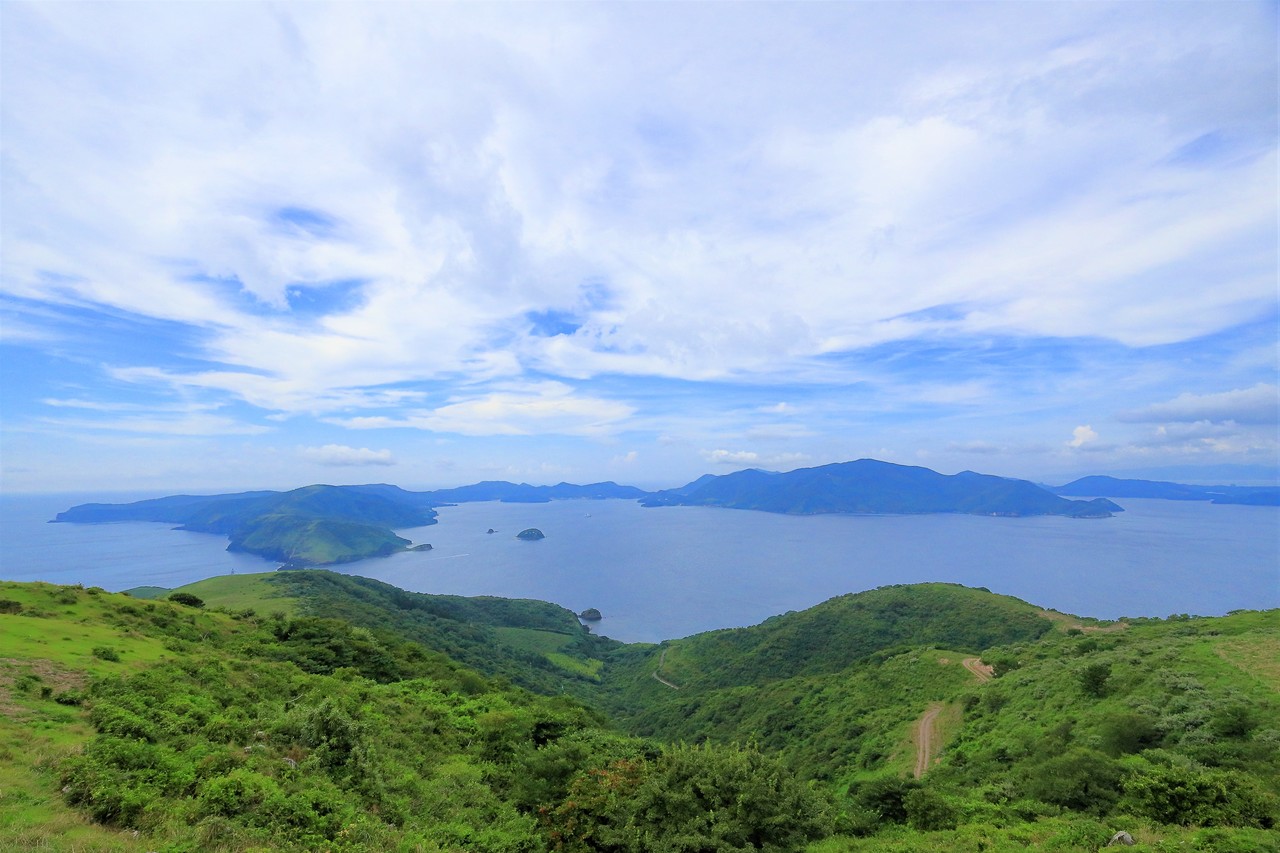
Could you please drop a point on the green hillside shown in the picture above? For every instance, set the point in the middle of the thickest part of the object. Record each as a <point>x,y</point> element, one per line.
<point>309,710</point>
<point>533,644</point>
<point>151,725</point>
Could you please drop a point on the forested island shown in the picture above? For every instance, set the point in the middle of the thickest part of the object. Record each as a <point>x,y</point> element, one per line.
<point>1112,487</point>
<point>872,486</point>
<point>308,710</point>
<point>326,525</point>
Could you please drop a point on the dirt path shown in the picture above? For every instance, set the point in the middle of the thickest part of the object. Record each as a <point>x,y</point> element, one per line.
<point>982,671</point>
<point>662,661</point>
<point>923,737</point>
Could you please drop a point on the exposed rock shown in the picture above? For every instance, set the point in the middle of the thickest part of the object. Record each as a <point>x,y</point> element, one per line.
<point>491,530</point>
<point>423,547</point>
<point>531,534</point>
<point>591,615</point>
<point>1121,837</point>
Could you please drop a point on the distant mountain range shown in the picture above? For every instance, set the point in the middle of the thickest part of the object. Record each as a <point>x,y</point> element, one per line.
<point>871,486</point>
<point>324,525</point>
<point>1111,487</point>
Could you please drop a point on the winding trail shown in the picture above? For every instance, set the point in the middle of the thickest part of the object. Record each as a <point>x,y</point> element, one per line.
<point>984,672</point>
<point>923,737</point>
<point>662,661</point>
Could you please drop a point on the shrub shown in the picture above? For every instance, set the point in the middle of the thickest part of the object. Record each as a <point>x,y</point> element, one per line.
<point>928,810</point>
<point>1189,796</point>
<point>1079,779</point>
<point>1093,679</point>
<point>106,653</point>
<point>187,599</point>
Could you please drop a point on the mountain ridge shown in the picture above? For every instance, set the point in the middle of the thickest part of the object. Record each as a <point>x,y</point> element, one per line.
<point>868,486</point>
<point>1115,487</point>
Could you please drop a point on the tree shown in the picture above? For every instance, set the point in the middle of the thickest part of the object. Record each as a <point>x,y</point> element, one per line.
<point>1093,679</point>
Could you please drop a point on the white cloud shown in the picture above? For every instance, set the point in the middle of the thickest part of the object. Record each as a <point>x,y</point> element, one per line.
<point>750,457</point>
<point>338,454</point>
<point>195,424</point>
<point>735,235</point>
<point>731,457</point>
<point>409,215</point>
<point>1081,436</point>
<point>1257,405</point>
<point>546,407</point>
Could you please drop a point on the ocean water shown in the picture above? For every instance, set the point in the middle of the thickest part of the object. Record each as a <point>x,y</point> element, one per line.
<point>672,571</point>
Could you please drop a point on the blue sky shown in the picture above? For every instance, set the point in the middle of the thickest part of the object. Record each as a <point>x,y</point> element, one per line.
<point>260,246</point>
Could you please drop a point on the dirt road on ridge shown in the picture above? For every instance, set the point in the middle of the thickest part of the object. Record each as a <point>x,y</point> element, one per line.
<point>984,672</point>
<point>662,661</point>
<point>924,736</point>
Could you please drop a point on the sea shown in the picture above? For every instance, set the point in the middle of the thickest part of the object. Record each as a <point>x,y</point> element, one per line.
<point>668,572</point>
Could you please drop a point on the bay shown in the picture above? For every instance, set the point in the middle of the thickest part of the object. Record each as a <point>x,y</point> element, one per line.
<point>672,571</point>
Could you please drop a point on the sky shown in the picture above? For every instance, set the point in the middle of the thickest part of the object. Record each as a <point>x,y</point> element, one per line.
<point>252,245</point>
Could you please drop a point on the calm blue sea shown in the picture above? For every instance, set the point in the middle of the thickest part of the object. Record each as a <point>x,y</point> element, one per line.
<point>672,571</point>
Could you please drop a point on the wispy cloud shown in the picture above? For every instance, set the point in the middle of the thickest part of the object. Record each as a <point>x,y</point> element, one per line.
<point>407,217</point>
<point>162,424</point>
<point>341,455</point>
<point>1257,405</point>
<point>546,407</point>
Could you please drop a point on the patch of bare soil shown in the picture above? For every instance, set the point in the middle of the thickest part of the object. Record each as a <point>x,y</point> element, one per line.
<point>1068,622</point>
<point>48,673</point>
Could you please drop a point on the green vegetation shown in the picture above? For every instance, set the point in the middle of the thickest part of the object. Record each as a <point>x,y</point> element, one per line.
<point>267,733</point>
<point>314,541</point>
<point>309,710</point>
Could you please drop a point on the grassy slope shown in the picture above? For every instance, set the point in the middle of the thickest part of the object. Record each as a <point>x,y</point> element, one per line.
<point>534,644</point>
<point>1188,700</point>
<point>243,592</point>
<point>215,731</point>
<point>561,658</point>
<point>49,655</point>
<point>1196,697</point>
<point>825,640</point>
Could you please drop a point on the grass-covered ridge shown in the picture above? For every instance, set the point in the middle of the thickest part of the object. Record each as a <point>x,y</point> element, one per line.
<point>310,710</point>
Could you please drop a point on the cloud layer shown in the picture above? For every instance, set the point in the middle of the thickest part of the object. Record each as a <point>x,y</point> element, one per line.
<point>547,220</point>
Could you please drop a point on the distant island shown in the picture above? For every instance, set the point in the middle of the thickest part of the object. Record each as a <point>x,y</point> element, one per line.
<point>324,525</point>
<point>1112,487</point>
<point>312,526</point>
<point>532,534</point>
<point>871,486</point>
